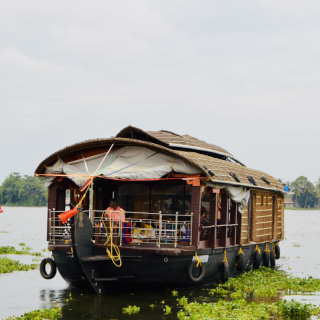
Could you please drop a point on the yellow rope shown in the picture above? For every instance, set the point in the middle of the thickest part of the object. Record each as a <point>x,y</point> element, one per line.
<point>273,247</point>
<point>115,258</point>
<point>198,259</point>
<point>85,192</point>
<point>225,256</point>
<point>258,249</point>
<point>267,248</point>
<point>171,165</point>
<point>240,252</point>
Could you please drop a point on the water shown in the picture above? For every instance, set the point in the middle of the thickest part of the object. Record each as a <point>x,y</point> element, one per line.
<point>25,291</point>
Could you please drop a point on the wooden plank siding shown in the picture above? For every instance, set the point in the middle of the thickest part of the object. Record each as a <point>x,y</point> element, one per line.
<point>244,238</point>
<point>267,218</point>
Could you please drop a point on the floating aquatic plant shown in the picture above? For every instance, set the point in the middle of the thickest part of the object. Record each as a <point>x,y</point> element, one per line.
<point>8,265</point>
<point>266,282</point>
<point>167,310</point>
<point>131,310</point>
<point>242,310</point>
<point>52,314</point>
<point>13,250</point>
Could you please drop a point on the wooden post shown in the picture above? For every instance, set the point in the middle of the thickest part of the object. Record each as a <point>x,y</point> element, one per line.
<point>196,210</point>
<point>213,219</point>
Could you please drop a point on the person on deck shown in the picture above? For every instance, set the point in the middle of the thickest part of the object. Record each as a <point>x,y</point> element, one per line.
<point>114,211</point>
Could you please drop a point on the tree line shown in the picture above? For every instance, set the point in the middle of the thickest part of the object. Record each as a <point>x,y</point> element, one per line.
<point>18,190</point>
<point>305,193</point>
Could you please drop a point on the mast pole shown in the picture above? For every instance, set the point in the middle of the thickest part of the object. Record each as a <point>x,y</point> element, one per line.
<point>91,203</point>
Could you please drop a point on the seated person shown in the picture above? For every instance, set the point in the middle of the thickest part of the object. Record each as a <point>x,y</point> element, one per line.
<point>126,232</point>
<point>203,222</point>
<point>149,232</point>
<point>185,233</point>
<point>169,229</point>
<point>114,211</point>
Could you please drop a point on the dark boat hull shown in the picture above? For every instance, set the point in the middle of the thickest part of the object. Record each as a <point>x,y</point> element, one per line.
<point>147,270</point>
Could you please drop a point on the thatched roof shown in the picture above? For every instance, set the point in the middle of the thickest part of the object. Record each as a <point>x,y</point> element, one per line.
<point>174,141</point>
<point>214,169</point>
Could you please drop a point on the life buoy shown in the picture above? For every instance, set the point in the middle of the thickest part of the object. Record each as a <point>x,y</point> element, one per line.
<point>53,268</point>
<point>240,261</point>
<point>272,259</point>
<point>257,258</point>
<point>277,251</point>
<point>224,271</point>
<point>201,271</point>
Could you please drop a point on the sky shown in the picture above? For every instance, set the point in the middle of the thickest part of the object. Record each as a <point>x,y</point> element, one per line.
<point>243,75</point>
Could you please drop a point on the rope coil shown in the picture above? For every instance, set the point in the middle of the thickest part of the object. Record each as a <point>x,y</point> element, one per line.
<point>115,257</point>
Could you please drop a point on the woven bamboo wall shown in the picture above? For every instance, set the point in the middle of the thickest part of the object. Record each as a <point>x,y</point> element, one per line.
<point>244,227</point>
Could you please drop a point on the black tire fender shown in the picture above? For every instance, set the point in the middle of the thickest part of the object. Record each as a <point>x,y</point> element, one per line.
<point>224,271</point>
<point>193,265</point>
<point>53,268</point>
<point>266,258</point>
<point>256,259</point>
<point>277,251</point>
<point>240,262</point>
<point>272,259</point>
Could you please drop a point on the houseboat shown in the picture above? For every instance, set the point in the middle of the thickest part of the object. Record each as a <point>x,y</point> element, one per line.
<point>183,212</point>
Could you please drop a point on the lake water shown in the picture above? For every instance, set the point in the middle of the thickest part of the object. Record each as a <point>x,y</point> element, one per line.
<point>22,291</point>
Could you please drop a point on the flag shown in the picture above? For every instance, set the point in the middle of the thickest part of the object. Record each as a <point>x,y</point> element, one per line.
<point>68,214</point>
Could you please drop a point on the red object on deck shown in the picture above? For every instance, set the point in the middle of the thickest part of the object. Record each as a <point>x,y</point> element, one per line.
<point>1,211</point>
<point>68,214</point>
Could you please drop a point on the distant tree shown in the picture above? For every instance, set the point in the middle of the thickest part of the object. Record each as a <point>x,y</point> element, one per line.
<point>23,191</point>
<point>317,191</point>
<point>309,188</point>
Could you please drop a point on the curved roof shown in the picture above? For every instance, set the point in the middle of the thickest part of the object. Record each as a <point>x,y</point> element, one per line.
<point>174,141</point>
<point>215,170</point>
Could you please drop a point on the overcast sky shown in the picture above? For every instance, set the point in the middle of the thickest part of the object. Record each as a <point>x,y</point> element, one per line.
<point>244,75</point>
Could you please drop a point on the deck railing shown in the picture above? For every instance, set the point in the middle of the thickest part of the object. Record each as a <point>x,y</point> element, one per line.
<point>138,228</point>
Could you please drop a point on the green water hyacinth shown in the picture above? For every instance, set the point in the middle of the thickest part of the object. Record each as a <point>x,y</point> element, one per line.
<point>8,265</point>
<point>131,310</point>
<point>242,310</point>
<point>52,314</point>
<point>13,250</point>
<point>265,282</point>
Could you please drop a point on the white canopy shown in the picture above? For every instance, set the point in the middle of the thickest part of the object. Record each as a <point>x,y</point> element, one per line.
<point>124,163</point>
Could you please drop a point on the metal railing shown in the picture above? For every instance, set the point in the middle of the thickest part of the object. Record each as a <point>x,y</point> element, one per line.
<point>138,228</point>
<point>58,232</point>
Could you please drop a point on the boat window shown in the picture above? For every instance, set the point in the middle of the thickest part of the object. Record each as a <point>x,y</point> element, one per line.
<point>134,197</point>
<point>261,200</point>
<point>167,199</point>
<point>205,206</point>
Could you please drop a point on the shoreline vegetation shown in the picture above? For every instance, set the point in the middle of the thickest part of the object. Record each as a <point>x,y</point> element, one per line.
<point>304,193</point>
<point>26,191</point>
